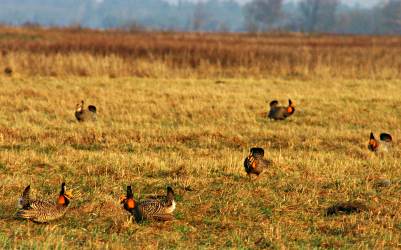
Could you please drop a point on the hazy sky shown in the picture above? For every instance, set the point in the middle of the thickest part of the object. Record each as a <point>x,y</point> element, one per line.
<point>350,2</point>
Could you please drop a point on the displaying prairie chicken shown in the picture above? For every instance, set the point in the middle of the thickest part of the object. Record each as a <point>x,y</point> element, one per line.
<point>151,209</point>
<point>383,145</point>
<point>82,114</point>
<point>43,211</point>
<point>279,112</point>
<point>255,163</point>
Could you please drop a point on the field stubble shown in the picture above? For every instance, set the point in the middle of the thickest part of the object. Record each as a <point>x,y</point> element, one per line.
<point>67,52</point>
<point>194,135</point>
<point>175,128</point>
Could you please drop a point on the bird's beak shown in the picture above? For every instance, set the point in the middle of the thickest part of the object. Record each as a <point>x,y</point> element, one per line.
<point>122,198</point>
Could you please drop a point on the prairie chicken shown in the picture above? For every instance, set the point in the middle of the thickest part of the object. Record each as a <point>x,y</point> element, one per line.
<point>279,112</point>
<point>8,71</point>
<point>83,114</point>
<point>152,209</point>
<point>380,146</point>
<point>43,211</point>
<point>255,163</point>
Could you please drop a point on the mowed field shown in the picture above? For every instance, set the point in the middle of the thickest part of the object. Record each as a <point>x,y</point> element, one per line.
<point>192,131</point>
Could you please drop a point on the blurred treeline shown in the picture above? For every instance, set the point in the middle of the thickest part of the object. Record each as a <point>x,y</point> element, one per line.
<point>329,16</point>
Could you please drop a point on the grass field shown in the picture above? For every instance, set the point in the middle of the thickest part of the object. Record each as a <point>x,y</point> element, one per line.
<point>193,134</point>
<point>61,53</point>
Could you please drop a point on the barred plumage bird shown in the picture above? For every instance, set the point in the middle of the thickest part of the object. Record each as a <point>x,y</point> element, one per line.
<point>152,209</point>
<point>83,114</point>
<point>279,112</point>
<point>255,163</point>
<point>43,211</point>
<point>383,145</point>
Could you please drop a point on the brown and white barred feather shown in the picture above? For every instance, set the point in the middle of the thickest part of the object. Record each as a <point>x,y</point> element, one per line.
<point>160,209</point>
<point>252,165</point>
<point>255,165</point>
<point>42,211</point>
<point>156,209</point>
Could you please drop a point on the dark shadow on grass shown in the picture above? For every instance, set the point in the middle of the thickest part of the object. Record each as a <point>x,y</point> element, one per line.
<point>16,147</point>
<point>21,147</point>
<point>87,147</point>
<point>346,208</point>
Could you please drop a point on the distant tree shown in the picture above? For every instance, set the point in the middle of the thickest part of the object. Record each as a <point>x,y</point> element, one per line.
<point>31,25</point>
<point>134,26</point>
<point>223,27</point>
<point>358,21</point>
<point>318,15</point>
<point>199,17</point>
<point>391,17</point>
<point>262,15</point>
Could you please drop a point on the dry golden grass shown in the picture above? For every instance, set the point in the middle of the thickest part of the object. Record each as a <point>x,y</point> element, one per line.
<point>193,134</point>
<point>66,52</point>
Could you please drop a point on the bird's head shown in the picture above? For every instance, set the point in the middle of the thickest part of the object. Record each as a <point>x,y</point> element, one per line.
<point>65,196</point>
<point>80,106</point>
<point>373,144</point>
<point>291,107</point>
<point>128,200</point>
